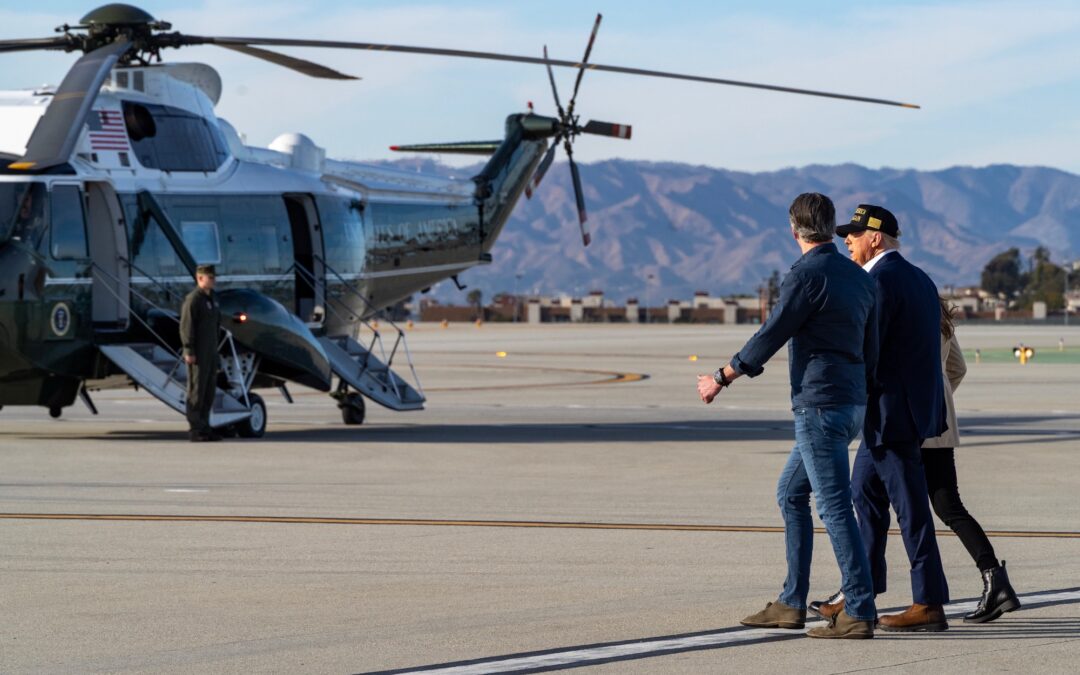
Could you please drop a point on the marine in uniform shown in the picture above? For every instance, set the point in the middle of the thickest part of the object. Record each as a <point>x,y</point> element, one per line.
<point>200,318</point>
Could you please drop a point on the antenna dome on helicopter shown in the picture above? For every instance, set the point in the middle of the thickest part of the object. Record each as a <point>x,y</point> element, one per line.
<point>117,14</point>
<point>305,155</point>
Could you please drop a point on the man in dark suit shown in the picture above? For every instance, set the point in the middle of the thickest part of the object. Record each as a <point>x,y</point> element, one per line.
<point>906,406</point>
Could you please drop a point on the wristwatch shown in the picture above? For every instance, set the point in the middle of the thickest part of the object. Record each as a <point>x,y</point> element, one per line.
<point>720,378</point>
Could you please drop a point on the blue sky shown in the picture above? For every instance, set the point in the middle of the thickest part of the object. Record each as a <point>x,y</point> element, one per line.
<point>999,82</point>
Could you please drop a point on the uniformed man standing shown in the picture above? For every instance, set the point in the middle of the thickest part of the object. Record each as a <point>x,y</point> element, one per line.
<point>199,321</point>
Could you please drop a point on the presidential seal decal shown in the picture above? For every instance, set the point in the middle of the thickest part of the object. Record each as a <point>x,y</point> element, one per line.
<point>60,321</point>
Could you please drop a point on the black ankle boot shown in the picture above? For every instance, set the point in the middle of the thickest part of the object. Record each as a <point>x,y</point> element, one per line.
<point>998,596</point>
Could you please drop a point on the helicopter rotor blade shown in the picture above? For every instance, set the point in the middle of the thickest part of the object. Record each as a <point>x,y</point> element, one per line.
<point>493,56</point>
<point>607,129</point>
<point>36,43</point>
<point>584,64</point>
<point>308,68</point>
<point>56,133</point>
<point>579,195</point>
<point>554,90</point>
<point>542,169</point>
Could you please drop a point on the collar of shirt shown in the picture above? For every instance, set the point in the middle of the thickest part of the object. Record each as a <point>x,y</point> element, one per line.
<point>817,250</point>
<point>873,261</point>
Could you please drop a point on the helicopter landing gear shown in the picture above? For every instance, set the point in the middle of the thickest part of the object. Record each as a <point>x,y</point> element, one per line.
<point>254,426</point>
<point>351,404</point>
<point>353,408</point>
<point>55,412</point>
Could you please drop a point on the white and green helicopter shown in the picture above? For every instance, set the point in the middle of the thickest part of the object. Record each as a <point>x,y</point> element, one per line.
<point>117,183</point>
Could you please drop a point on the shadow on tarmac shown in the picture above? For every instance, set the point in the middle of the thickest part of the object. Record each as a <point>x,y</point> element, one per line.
<point>1012,626</point>
<point>602,432</point>
<point>599,432</point>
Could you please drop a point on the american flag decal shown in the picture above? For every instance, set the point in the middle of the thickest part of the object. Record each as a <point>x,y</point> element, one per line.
<point>107,131</point>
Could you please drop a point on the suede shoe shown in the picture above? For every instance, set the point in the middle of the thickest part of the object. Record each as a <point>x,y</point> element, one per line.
<point>777,615</point>
<point>827,609</point>
<point>916,619</point>
<point>843,627</point>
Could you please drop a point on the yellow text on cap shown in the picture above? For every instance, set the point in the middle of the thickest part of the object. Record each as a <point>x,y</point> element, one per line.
<point>874,223</point>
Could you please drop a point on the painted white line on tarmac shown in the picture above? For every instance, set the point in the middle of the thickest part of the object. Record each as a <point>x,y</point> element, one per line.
<point>606,653</point>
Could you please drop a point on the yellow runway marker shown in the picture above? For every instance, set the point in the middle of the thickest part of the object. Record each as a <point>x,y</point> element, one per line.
<point>423,522</point>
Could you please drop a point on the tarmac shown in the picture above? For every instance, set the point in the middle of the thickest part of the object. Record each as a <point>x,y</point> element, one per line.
<point>567,504</point>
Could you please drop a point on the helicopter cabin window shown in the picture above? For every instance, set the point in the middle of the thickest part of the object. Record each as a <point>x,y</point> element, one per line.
<point>150,251</point>
<point>171,139</point>
<point>22,211</point>
<point>201,238</point>
<point>68,231</point>
<point>343,233</point>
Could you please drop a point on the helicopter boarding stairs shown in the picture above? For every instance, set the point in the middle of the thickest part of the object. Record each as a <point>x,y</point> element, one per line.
<point>161,371</point>
<point>365,366</point>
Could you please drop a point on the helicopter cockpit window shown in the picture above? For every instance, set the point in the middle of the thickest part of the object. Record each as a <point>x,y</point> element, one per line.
<point>201,238</point>
<point>68,231</point>
<point>174,139</point>
<point>22,212</point>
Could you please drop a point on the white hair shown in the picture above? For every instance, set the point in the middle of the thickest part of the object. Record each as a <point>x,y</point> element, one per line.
<point>891,243</point>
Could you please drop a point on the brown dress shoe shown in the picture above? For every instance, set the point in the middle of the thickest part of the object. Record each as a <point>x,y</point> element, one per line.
<point>917,618</point>
<point>828,611</point>
<point>844,627</point>
<point>836,602</point>
<point>776,615</point>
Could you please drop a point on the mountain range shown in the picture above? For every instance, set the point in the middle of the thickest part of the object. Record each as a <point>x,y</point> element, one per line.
<point>698,228</point>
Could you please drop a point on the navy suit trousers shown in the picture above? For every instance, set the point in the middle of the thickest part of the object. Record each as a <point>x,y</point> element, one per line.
<point>894,473</point>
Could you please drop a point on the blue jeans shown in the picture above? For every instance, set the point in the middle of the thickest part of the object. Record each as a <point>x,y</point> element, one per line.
<point>819,464</point>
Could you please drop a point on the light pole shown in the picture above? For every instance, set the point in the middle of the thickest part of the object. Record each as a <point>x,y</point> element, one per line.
<point>1074,265</point>
<point>517,299</point>
<point>648,296</point>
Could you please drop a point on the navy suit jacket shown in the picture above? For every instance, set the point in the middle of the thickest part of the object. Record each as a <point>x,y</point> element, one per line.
<point>906,401</point>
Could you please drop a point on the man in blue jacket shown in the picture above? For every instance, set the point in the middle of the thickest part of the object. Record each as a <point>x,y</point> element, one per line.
<point>826,310</point>
<point>906,406</point>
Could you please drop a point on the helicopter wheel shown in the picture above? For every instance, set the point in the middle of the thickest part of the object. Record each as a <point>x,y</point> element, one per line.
<point>55,412</point>
<point>254,426</point>
<point>353,409</point>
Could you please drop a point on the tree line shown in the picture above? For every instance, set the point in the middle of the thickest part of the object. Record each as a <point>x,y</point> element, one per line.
<point>1025,282</point>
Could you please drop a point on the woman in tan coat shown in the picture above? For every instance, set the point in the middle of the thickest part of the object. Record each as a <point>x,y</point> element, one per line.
<point>940,464</point>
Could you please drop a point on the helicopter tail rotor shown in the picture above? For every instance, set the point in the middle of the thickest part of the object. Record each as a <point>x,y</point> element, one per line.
<point>568,129</point>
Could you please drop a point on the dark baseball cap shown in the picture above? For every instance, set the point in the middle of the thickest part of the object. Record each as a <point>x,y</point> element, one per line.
<point>870,217</point>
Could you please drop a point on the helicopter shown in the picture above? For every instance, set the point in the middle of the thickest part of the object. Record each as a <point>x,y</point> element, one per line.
<point>115,185</point>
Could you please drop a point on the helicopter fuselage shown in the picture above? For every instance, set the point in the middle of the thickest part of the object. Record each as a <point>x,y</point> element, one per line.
<point>80,257</point>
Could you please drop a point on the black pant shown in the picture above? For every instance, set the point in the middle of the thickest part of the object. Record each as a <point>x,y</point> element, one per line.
<point>200,392</point>
<point>940,465</point>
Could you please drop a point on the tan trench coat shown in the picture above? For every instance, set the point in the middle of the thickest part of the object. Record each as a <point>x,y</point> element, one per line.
<point>954,368</point>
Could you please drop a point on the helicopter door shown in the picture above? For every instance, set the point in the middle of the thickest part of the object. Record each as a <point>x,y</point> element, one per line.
<point>108,250</point>
<point>307,255</point>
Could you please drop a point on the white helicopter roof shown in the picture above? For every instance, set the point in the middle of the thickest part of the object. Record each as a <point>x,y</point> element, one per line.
<point>196,88</point>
